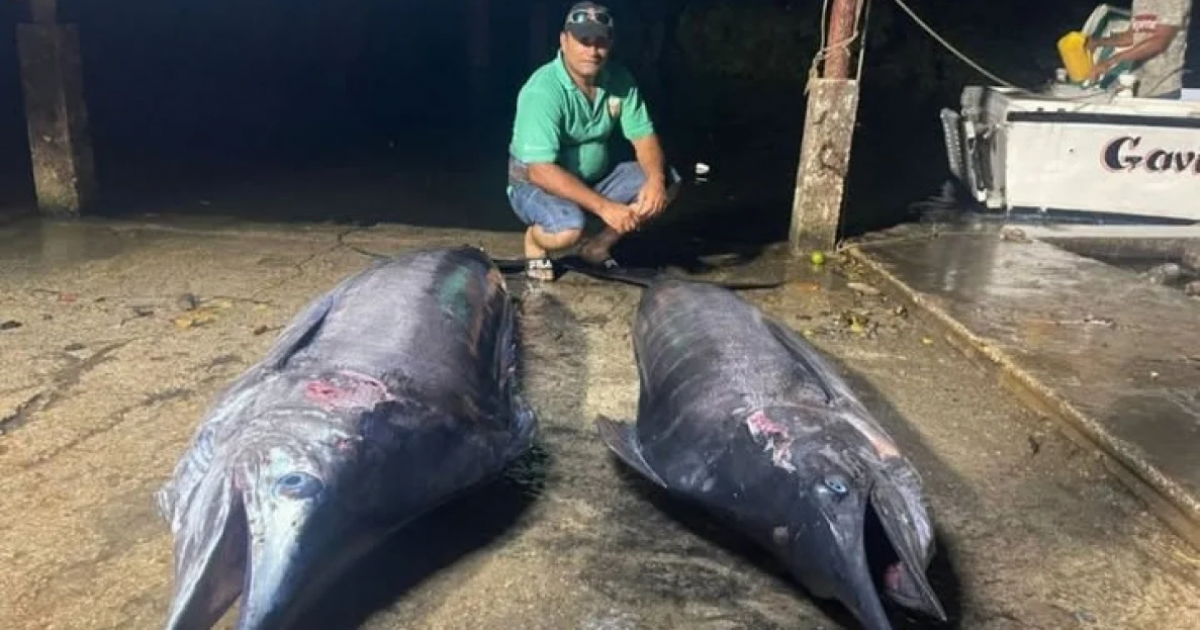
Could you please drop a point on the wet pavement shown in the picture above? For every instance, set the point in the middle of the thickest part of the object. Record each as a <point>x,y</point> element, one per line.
<point>1113,352</point>
<point>1165,255</point>
<point>123,333</point>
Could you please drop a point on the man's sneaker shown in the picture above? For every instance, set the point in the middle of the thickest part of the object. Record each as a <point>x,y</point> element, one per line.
<point>540,269</point>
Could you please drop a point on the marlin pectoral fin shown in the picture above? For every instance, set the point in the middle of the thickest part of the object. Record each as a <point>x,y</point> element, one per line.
<point>640,277</point>
<point>509,265</point>
<point>913,589</point>
<point>302,329</point>
<point>636,276</point>
<point>621,440</point>
<point>574,262</point>
<point>823,373</point>
<point>644,277</point>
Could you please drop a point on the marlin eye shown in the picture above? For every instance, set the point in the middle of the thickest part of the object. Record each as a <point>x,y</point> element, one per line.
<point>836,485</point>
<point>298,485</point>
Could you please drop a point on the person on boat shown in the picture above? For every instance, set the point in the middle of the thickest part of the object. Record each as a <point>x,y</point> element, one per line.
<point>1155,42</point>
<point>558,163</point>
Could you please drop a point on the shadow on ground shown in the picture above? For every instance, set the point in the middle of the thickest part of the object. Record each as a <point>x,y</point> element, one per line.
<point>485,518</point>
<point>683,251</point>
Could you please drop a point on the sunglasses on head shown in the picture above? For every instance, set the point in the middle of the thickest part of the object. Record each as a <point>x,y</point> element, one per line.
<point>589,15</point>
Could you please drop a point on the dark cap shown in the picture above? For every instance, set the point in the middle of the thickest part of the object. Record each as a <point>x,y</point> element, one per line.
<point>586,20</point>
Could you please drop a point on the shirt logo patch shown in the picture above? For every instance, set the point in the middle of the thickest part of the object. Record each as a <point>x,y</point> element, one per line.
<point>614,106</point>
<point>1144,22</point>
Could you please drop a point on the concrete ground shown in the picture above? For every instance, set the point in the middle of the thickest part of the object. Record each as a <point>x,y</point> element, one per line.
<point>116,336</point>
<point>1076,320</point>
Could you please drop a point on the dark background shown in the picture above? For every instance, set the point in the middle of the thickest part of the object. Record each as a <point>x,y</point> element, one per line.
<point>362,110</point>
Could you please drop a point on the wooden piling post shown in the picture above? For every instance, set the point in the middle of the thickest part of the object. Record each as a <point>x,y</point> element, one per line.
<point>56,115</point>
<point>828,135</point>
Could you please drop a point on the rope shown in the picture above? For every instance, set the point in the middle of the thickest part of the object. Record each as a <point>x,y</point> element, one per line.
<point>864,11</point>
<point>862,55</point>
<point>820,54</point>
<point>1083,97</point>
<point>967,60</point>
<point>823,49</point>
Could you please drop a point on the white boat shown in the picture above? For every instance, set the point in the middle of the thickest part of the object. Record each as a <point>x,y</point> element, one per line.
<point>1076,152</point>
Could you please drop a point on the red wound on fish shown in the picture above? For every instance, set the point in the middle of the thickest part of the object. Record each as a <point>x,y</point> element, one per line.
<point>760,424</point>
<point>347,390</point>
<point>320,391</point>
<point>778,442</point>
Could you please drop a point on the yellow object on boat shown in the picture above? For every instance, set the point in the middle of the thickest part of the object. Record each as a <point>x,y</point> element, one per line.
<point>1072,48</point>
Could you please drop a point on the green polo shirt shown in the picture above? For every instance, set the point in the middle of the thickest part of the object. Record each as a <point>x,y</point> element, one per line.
<point>555,121</point>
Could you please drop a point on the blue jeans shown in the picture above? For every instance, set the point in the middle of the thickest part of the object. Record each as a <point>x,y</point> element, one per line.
<point>554,214</point>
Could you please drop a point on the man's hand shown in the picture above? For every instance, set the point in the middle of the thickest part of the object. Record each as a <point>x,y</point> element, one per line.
<point>651,199</point>
<point>1102,68</point>
<point>622,219</point>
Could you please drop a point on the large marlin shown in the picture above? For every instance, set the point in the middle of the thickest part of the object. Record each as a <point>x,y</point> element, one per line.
<point>385,397</point>
<point>739,415</point>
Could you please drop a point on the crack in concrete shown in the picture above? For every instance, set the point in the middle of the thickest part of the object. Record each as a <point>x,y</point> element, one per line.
<point>60,385</point>
<point>354,248</point>
<point>23,413</point>
<point>299,267</point>
<point>118,417</point>
<point>152,301</point>
<point>70,376</point>
<point>223,360</point>
<point>113,420</point>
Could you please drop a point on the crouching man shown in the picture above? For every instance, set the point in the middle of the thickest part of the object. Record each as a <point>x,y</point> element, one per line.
<point>558,159</point>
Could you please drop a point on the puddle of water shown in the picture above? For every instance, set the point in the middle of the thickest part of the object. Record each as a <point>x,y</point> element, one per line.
<point>1148,267</point>
<point>44,243</point>
<point>1145,262</point>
